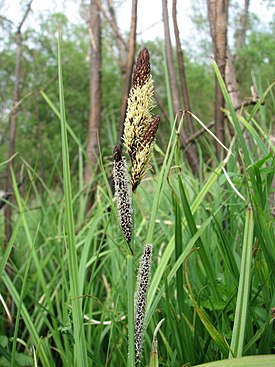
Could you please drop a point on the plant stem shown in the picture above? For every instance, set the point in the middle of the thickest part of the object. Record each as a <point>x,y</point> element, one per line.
<point>131,296</point>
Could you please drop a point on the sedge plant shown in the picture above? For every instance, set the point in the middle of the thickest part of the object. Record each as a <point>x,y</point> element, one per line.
<point>212,274</point>
<point>140,129</point>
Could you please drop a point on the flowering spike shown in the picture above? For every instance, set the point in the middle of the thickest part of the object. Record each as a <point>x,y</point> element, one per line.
<point>140,128</point>
<point>143,282</point>
<point>123,195</point>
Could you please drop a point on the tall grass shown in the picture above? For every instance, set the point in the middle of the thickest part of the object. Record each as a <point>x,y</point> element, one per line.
<point>80,352</point>
<point>213,264</point>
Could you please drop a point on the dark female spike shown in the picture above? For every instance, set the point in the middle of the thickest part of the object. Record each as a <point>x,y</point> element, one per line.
<point>123,197</point>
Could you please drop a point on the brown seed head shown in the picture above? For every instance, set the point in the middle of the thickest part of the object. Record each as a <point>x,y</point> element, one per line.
<point>142,69</point>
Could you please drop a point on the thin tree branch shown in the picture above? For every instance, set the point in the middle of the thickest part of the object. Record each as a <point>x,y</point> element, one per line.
<point>24,17</point>
<point>88,22</point>
<point>111,20</point>
<point>199,132</point>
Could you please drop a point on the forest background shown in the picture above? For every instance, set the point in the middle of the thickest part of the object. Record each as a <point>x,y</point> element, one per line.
<point>251,45</point>
<point>98,54</point>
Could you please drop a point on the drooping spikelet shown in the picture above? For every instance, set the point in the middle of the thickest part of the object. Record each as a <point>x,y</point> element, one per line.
<point>123,195</point>
<point>143,282</point>
<point>140,128</point>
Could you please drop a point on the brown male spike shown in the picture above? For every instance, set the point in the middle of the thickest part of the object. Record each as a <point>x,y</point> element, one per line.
<point>142,69</point>
<point>140,127</point>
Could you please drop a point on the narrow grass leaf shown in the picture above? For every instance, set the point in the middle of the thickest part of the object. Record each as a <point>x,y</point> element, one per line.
<point>154,299</point>
<point>69,129</point>
<point>163,176</point>
<point>260,102</point>
<point>266,135</point>
<point>10,245</point>
<point>254,135</point>
<point>16,327</point>
<point>178,251</point>
<point>154,362</point>
<point>232,185</point>
<point>247,156</point>
<point>208,130</point>
<point>36,260</point>
<point>237,342</point>
<point>27,320</point>
<point>215,335</point>
<point>80,352</point>
<point>226,251</point>
<point>8,160</point>
<point>193,230</point>
<point>251,361</point>
<point>170,247</point>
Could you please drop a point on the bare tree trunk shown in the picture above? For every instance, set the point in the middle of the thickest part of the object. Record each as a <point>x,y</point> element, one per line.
<point>218,17</point>
<point>241,33</point>
<point>95,92</point>
<point>231,82</point>
<point>220,57</point>
<point>183,83</point>
<point>211,9</point>
<point>121,44</point>
<point>184,88</point>
<point>191,153</point>
<point>169,62</point>
<point>129,71</point>
<point>13,121</point>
